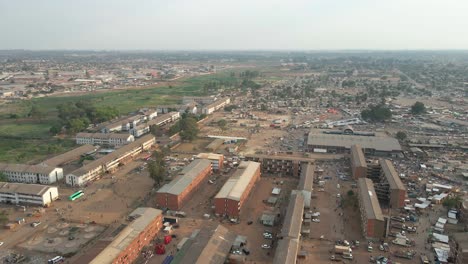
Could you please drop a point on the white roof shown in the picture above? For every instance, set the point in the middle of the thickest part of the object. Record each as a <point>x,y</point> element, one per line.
<point>441,238</point>
<point>442,220</point>
<point>238,182</point>
<point>185,177</point>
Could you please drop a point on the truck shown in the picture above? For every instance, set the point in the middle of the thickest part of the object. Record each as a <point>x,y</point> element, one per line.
<point>170,219</point>
<point>343,249</point>
<point>401,242</point>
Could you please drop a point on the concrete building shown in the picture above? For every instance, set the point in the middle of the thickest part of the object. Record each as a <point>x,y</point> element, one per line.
<point>215,159</point>
<point>234,193</point>
<point>174,194</point>
<point>140,130</point>
<point>288,244</point>
<point>198,99</point>
<point>161,120</point>
<point>396,189</point>
<point>372,220</point>
<point>212,244</point>
<point>286,165</point>
<point>126,246</point>
<point>341,143</point>
<point>306,182</point>
<point>104,139</point>
<point>20,193</point>
<point>110,162</point>
<point>149,114</point>
<point>42,174</point>
<point>358,162</point>
<point>70,156</point>
<point>215,106</point>
<point>215,144</point>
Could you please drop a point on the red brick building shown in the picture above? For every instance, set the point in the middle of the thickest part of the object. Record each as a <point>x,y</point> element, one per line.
<point>174,194</point>
<point>235,191</point>
<point>216,159</point>
<point>358,162</point>
<point>372,220</point>
<point>126,246</point>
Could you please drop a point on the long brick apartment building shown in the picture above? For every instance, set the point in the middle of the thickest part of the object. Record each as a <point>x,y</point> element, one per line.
<point>372,220</point>
<point>287,165</point>
<point>235,191</point>
<point>174,194</point>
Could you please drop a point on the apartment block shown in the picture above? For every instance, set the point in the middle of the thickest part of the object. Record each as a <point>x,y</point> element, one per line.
<point>21,193</point>
<point>372,220</point>
<point>215,106</point>
<point>215,159</point>
<point>104,139</point>
<point>285,165</point>
<point>42,174</point>
<point>358,162</point>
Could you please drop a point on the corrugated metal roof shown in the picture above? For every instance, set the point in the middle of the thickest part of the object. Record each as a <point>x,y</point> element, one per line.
<point>286,251</point>
<point>391,175</point>
<point>357,156</point>
<point>346,141</point>
<point>185,177</point>
<point>70,155</point>
<point>293,218</point>
<point>127,235</point>
<point>306,181</point>
<point>24,188</point>
<point>369,199</point>
<point>236,184</point>
<point>24,168</point>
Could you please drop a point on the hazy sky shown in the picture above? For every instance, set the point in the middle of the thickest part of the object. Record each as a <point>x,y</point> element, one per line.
<point>234,24</point>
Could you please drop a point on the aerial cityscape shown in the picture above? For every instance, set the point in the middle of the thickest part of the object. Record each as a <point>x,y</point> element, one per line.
<point>233,153</point>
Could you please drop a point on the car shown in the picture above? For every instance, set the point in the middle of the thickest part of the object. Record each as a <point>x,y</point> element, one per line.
<point>381,248</point>
<point>1,243</point>
<point>34,224</point>
<point>246,251</point>
<point>316,214</point>
<point>315,220</point>
<point>250,222</point>
<point>321,190</point>
<point>338,195</point>
<point>266,246</point>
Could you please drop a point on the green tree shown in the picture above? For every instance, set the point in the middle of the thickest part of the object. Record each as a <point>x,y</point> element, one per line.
<point>376,113</point>
<point>222,123</point>
<point>400,135</point>
<point>3,217</point>
<point>156,167</point>
<point>36,112</point>
<point>350,193</point>
<point>55,129</point>
<point>418,108</point>
<point>77,124</point>
<point>3,177</point>
<point>156,130</point>
<point>188,128</point>
<point>452,202</point>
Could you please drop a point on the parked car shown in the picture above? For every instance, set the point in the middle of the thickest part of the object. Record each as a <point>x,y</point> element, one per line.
<point>315,220</point>
<point>34,224</point>
<point>266,246</point>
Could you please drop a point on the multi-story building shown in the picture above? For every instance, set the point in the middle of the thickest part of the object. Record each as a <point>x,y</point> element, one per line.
<point>70,156</point>
<point>198,99</point>
<point>126,246</point>
<point>149,114</point>
<point>174,194</point>
<point>140,130</point>
<point>215,106</point>
<point>372,220</point>
<point>42,174</point>
<point>396,189</point>
<point>110,162</point>
<point>18,193</point>
<point>234,193</point>
<point>358,162</point>
<point>286,165</point>
<point>164,119</point>
<point>306,182</point>
<point>215,159</point>
<point>104,139</point>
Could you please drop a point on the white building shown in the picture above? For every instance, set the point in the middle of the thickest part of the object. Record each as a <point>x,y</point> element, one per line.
<point>107,139</point>
<point>140,130</point>
<point>215,106</point>
<point>31,173</point>
<point>164,119</point>
<point>17,193</point>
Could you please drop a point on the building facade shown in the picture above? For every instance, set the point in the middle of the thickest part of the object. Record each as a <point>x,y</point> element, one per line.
<point>215,106</point>
<point>42,174</point>
<point>234,193</point>
<point>20,193</point>
<point>358,162</point>
<point>126,246</point>
<point>215,159</point>
<point>280,164</point>
<point>174,194</point>
<point>105,139</point>
<point>372,220</point>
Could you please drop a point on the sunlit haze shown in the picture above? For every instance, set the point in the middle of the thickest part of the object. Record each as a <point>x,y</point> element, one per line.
<point>234,25</point>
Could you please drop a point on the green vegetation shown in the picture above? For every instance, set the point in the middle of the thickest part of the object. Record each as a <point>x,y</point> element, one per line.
<point>3,217</point>
<point>418,108</point>
<point>400,135</point>
<point>157,168</point>
<point>222,123</point>
<point>77,117</point>
<point>376,113</point>
<point>452,202</point>
<point>3,177</point>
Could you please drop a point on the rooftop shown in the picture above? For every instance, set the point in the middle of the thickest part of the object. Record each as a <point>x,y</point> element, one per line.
<point>369,199</point>
<point>185,177</point>
<point>127,235</point>
<point>286,251</point>
<point>306,182</point>
<point>293,218</point>
<point>346,141</point>
<point>281,157</point>
<point>391,175</point>
<point>161,118</point>
<point>103,135</point>
<point>238,182</point>
<point>357,156</point>
<point>70,155</point>
<point>24,188</point>
<point>42,169</point>
<point>211,156</point>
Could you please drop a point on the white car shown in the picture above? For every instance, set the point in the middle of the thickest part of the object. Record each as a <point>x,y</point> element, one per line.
<point>316,214</point>
<point>316,220</point>
<point>266,246</point>
<point>1,243</point>
<point>338,196</point>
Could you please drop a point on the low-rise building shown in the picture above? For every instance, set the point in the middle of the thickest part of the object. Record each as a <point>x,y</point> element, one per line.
<point>110,162</point>
<point>215,159</point>
<point>126,246</point>
<point>215,106</point>
<point>19,193</point>
<point>164,119</point>
<point>70,156</point>
<point>174,194</point>
<point>104,139</point>
<point>287,165</point>
<point>140,130</point>
<point>42,174</point>
<point>372,219</point>
<point>234,193</point>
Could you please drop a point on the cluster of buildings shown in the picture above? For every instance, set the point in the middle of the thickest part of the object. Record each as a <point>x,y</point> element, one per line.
<point>215,106</point>
<point>110,162</point>
<point>287,165</point>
